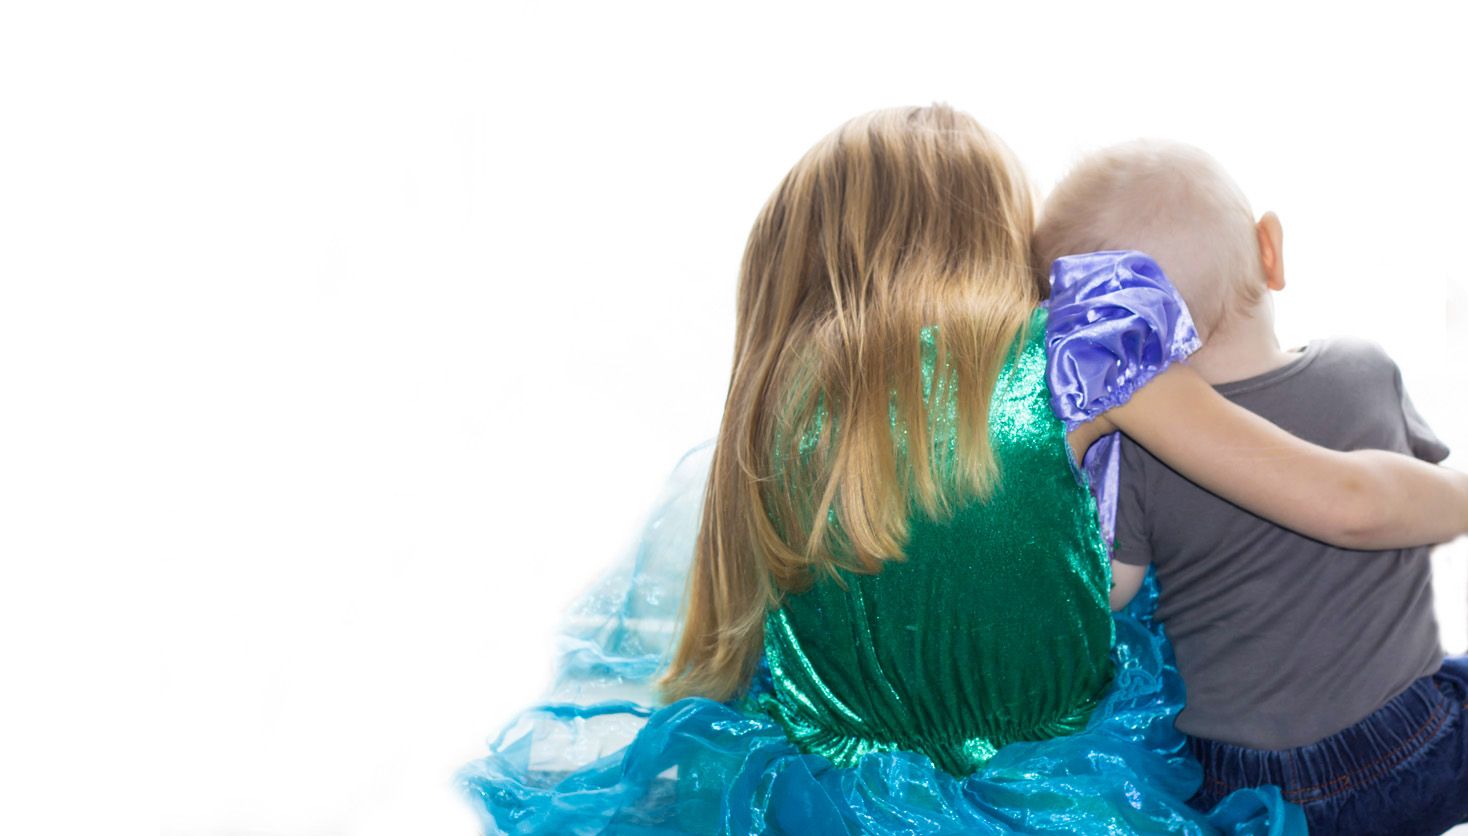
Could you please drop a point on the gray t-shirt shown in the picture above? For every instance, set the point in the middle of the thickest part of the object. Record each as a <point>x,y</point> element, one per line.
<point>1280,639</point>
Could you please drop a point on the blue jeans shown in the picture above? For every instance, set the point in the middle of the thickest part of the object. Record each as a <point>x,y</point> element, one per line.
<point>1402,770</point>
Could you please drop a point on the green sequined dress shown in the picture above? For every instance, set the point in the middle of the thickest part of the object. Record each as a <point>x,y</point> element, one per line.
<point>995,627</point>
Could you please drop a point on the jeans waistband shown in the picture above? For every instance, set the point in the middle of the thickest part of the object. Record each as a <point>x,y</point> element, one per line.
<point>1355,757</point>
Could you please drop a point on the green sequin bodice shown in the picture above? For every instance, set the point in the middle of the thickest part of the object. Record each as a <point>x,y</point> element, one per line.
<point>994,628</point>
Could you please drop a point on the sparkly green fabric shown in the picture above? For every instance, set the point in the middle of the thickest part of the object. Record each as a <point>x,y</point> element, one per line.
<point>995,628</point>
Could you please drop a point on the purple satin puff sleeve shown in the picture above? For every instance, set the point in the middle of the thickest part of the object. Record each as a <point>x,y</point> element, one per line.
<point>1115,323</point>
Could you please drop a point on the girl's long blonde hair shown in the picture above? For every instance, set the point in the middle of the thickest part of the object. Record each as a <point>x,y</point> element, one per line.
<point>899,220</point>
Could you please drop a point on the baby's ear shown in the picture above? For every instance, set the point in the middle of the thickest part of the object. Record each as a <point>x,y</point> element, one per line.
<point>1271,250</point>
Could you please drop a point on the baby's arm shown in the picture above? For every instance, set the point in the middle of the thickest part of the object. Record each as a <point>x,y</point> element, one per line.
<point>1126,579</point>
<point>1364,499</point>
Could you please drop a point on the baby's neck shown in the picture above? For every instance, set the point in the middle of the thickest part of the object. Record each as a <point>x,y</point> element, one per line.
<point>1243,347</point>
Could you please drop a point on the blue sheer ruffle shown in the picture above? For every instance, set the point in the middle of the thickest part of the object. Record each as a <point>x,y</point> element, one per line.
<point>598,759</point>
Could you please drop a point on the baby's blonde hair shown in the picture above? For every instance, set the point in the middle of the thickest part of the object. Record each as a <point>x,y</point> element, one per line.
<point>1171,201</point>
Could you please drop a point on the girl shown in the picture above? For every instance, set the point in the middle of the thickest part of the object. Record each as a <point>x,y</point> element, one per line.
<point>896,524</point>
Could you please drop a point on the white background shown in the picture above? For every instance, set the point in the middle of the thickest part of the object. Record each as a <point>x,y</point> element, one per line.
<point>341,344</point>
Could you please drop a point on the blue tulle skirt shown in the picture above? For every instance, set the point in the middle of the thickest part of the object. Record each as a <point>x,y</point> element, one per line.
<point>598,758</point>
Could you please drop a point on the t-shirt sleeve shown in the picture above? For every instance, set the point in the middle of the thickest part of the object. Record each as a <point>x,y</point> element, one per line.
<point>1115,322</point>
<point>1423,442</point>
<point>1131,544</point>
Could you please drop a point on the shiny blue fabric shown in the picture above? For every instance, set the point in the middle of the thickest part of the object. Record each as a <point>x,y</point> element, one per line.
<point>1115,323</point>
<point>598,758</point>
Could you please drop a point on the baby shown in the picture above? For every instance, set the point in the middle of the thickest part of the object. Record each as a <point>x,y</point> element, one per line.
<point>1310,667</point>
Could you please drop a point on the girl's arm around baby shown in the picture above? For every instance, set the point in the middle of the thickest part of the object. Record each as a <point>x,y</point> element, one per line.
<point>1363,499</point>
